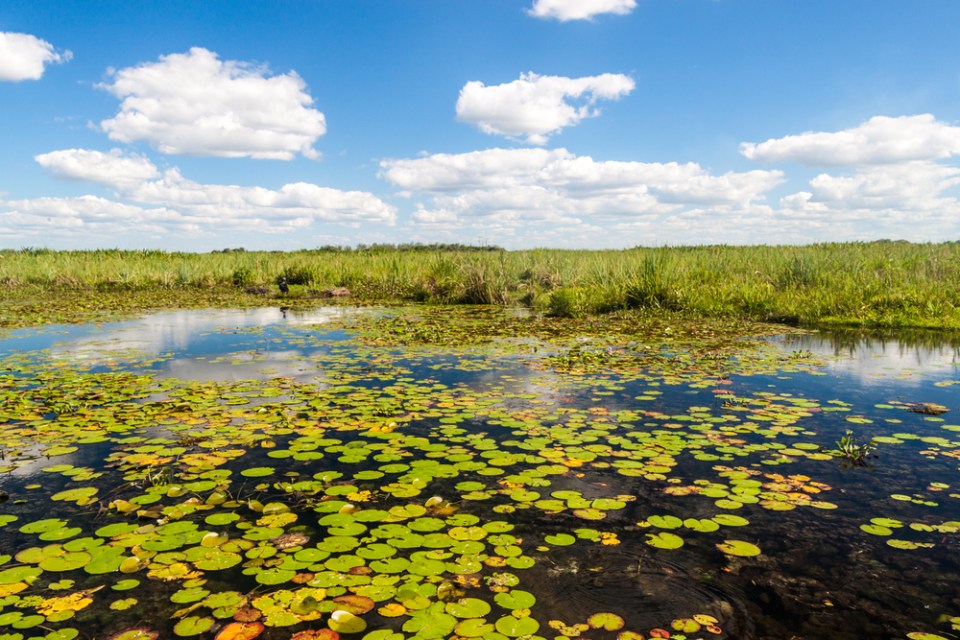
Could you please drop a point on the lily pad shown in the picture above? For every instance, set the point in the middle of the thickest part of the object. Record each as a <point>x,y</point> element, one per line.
<point>560,539</point>
<point>739,548</point>
<point>515,599</point>
<point>468,608</point>
<point>606,621</point>
<point>664,540</point>
<point>193,626</point>
<point>516,627</point>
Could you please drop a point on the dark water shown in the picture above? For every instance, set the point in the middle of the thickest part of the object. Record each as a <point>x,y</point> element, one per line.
<point>766,419</point>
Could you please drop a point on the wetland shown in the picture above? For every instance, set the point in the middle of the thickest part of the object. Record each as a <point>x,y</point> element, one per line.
<point>383,473</point>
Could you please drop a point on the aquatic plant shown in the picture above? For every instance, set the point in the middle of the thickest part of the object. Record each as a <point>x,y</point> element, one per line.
<point>853,451</point>
<point>448,488</point>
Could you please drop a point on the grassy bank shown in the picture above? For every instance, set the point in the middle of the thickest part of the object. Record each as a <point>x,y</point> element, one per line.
<point>878,284</point>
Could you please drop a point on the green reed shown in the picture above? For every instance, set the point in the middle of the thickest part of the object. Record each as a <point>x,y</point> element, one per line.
<point>875,284</point>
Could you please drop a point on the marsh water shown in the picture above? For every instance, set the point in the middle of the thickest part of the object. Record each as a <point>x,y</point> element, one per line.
<point>307,473</point>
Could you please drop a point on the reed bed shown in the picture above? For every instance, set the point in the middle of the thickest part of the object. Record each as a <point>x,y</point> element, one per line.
<point>875,284</point>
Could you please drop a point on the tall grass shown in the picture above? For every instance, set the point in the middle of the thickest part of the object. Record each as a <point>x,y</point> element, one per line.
<point>882,284</point>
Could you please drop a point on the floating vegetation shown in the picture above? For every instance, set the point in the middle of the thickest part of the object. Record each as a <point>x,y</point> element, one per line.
<point>431,474</point>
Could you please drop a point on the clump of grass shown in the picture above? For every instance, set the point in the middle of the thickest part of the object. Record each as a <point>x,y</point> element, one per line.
<point>651,285</point>
<point>298,274</point>
<point>441,282</point>
<point>242,277</point>
<point>564,303</point>
<point>484,283</point>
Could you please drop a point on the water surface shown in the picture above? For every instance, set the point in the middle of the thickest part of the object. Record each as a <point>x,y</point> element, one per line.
<point>501,489</point>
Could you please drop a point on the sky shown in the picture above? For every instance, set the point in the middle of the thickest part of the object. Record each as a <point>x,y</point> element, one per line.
<point>295,124</point>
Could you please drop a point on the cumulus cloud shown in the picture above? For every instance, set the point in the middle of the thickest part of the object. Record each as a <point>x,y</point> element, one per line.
<point>816,220</point>
<point>565,10</point>
<point>912,185</point>
<point>49,217</point>
<point>113,169</point>
<point>24,56</point>
<point>503,190</point>
<point>879,140</point>
<point>535,107</point>
<point>909,201</point>
<point>887,179</point>
<point>292,206</point>
<point>196,104</point>
<point>540,197</point>
<point>149,201</point>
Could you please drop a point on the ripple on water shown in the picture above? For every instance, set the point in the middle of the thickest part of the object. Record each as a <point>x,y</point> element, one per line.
<point>648,591</point>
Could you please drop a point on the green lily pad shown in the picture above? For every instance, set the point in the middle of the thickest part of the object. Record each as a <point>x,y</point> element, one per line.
<point>193,626</point>
<point>730,520</point>
<point>80,495</point>
<point>517,627</point>
<point>43,526</point>
<point>468,608</point>
<point>431,623</point>
<point>274,576</point>
<point>739,548</point>
<point>560,539</point>
<point>887,522</point>
<point>876,530</point>
<point>19,574</point>
<point>474,628</point>
<point>126,584</point>
<point>702,525</point>
<point>515,599</point>
<point>257,472</point>
<point>664,540</point>
<point>665,522</point>
<point>65,561</point>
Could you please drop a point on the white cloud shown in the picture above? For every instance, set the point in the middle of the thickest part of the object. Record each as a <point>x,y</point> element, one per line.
<point>195,104</point>
<point>535,106</point>
<point>292,206</point>
<point>564,10</point>
<point>908,186</point>
<point>150,202</point>
<point>505,190</point>
<point>112,169</point>
<point>49,217</point>
<point>540,197</point>
<point>908,201</point>
<point>807,218</point>
<point>24,57</point>
<point>879,140</point>
<point>896,184</point>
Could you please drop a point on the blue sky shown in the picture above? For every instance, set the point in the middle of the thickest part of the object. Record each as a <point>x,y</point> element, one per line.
<point>524,123</point>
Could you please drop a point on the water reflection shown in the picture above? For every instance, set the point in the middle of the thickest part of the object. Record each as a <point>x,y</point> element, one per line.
<point>468,415</point>
<point>187,343</point>
<point>243,366</point>
<point>875,359</point>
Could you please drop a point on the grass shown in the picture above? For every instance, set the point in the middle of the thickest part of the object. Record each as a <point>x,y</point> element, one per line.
<point>878,284</point>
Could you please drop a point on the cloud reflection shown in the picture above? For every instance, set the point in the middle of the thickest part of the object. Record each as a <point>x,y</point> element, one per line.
<point>191,341</point>
<point>874,361</point>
